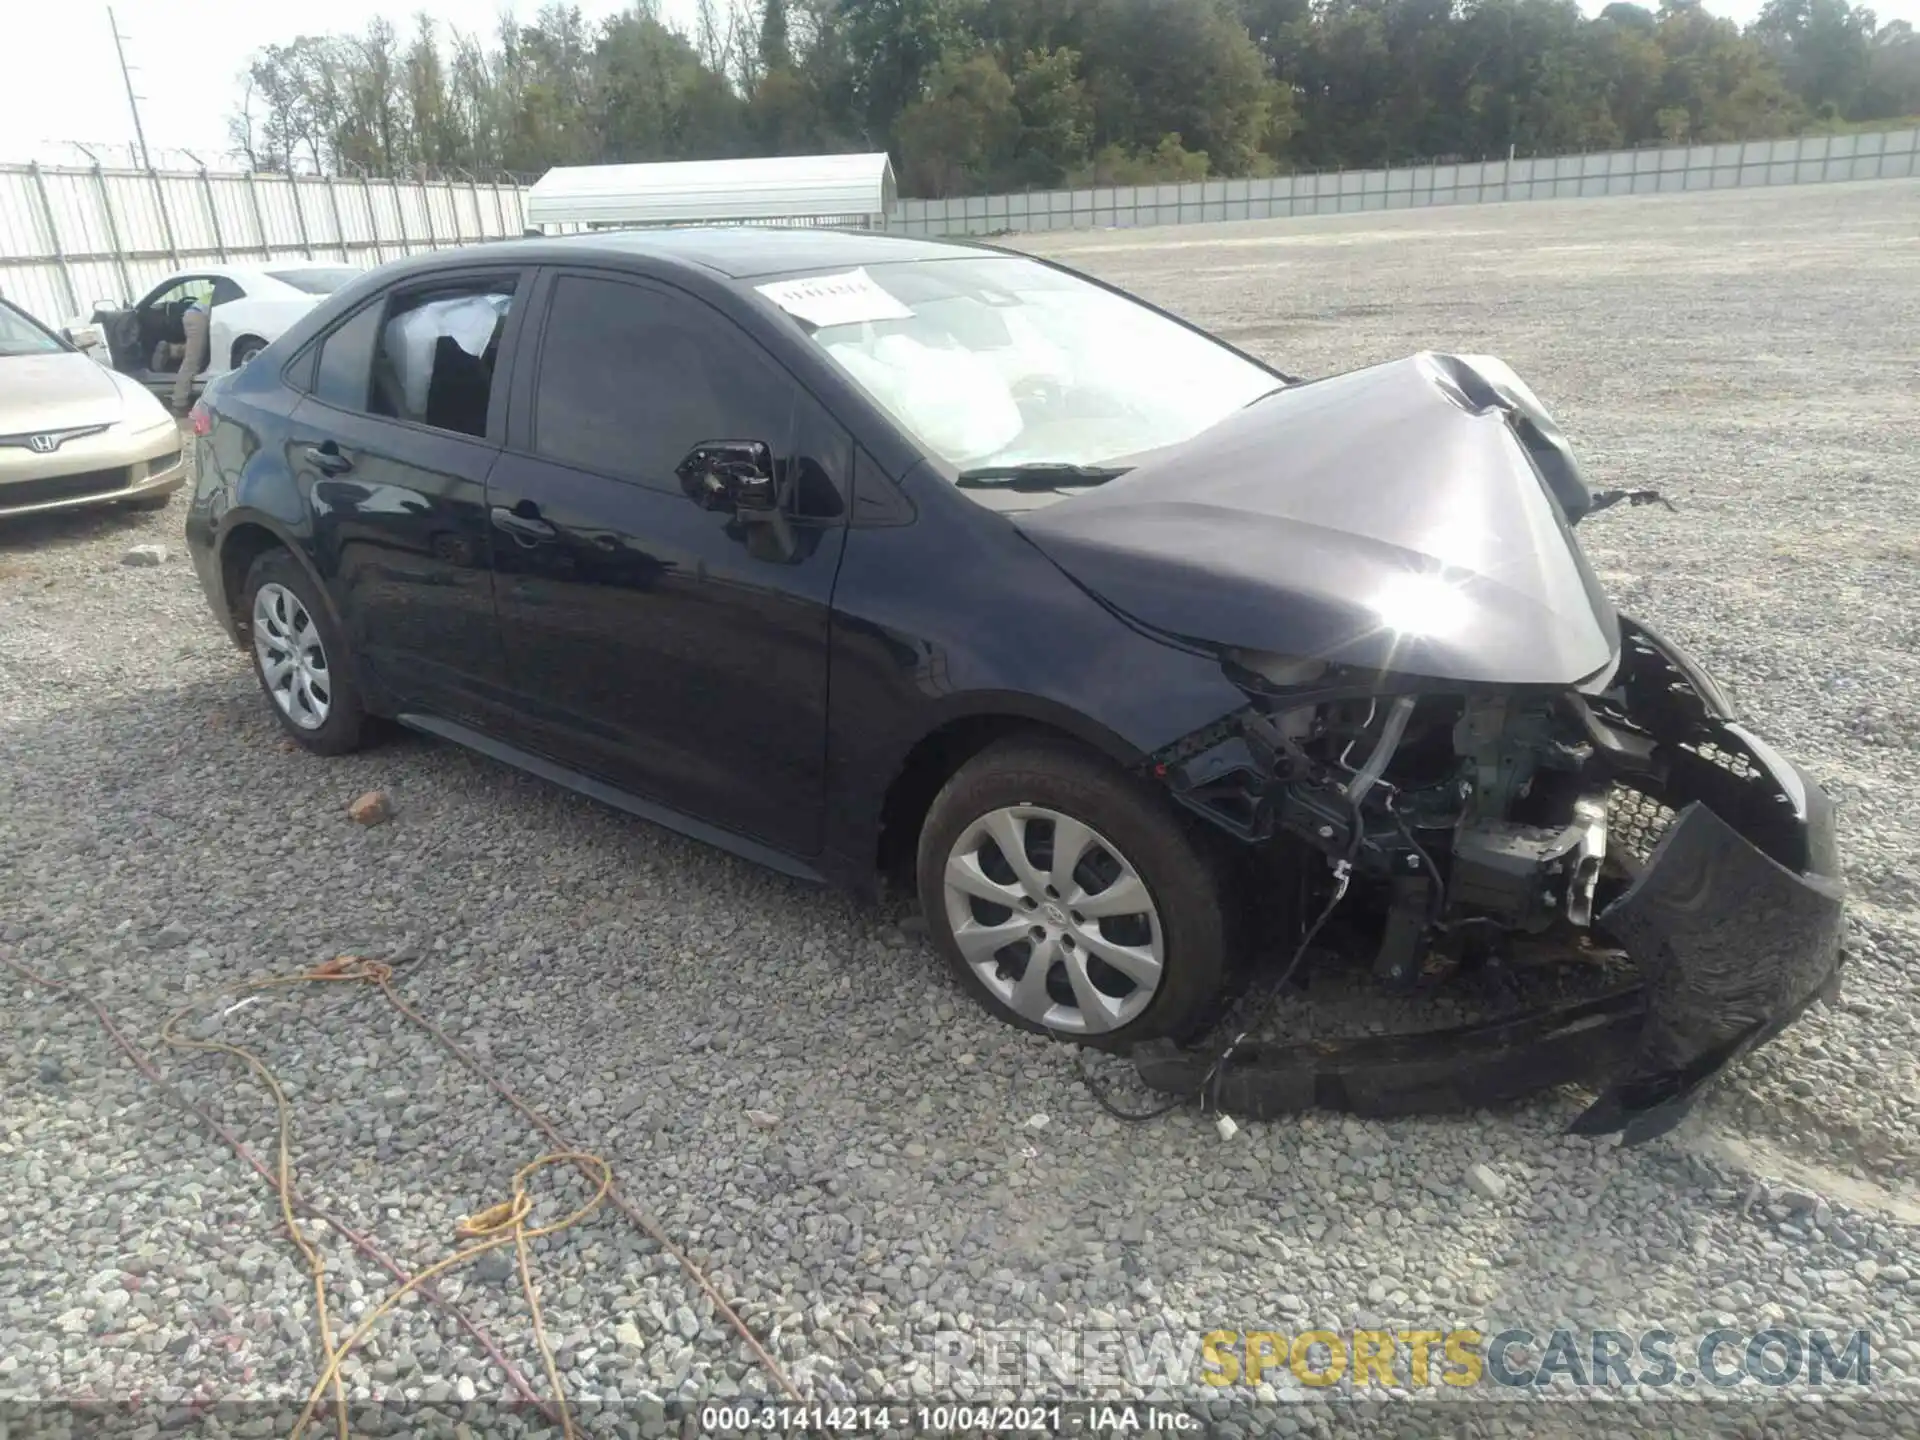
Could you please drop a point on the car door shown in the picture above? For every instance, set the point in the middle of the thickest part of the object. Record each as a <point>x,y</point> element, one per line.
<point>676,650</point>
<point>393,442</point>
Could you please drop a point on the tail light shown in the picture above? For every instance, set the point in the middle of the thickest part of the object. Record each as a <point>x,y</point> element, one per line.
<point>201,417</point>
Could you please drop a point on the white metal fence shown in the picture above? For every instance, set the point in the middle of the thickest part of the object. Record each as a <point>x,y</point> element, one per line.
<point>70,236</point>
<point>1813,158</point>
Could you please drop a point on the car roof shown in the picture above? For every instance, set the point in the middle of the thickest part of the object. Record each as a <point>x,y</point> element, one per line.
<point>242,274</point>
<point>736,252</point>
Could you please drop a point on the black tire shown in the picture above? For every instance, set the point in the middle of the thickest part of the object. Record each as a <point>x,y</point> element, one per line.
<point>344,728</point>
<point>246,348</point>
<point>1185,876</point>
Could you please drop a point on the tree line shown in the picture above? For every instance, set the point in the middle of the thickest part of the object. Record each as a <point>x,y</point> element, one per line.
<point>984,95</point>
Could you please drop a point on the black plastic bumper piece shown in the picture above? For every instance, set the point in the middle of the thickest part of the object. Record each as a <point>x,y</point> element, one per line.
<point>1431,1072</point>
<point>1732,947</point>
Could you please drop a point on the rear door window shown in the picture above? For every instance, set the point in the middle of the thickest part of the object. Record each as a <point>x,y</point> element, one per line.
<point>434,363</point>
<point>426,355</point>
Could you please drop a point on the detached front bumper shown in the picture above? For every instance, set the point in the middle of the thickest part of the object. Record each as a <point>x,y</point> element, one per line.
<point>1732,946</point>
<point>1735,920</point>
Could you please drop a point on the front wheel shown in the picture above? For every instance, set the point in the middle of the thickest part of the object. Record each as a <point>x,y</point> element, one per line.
<point>1071,898</point>
<point>246,350</point>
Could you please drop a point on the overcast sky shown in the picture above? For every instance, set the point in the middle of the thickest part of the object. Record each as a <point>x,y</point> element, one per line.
<point>62,83</point>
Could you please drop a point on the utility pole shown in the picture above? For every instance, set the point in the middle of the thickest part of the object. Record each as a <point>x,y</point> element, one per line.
<point>133,100</point>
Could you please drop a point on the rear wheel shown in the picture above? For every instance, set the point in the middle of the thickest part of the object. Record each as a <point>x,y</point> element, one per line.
<point>301,658</point>
<point>1071,899</point>
<point>246,348</point>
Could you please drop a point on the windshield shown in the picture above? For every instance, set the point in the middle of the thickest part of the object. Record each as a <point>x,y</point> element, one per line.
<point>318,281</point>
<point>996,361</point>
<point>20,336</point>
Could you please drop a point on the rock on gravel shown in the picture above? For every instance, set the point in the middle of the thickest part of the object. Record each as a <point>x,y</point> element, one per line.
<point>1486,1183</point>
<point>373,808</point>
<point>145,556</point>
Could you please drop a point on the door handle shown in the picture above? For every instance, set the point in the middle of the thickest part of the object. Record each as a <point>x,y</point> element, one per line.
<point>529,528</point>
<point>327,459</point>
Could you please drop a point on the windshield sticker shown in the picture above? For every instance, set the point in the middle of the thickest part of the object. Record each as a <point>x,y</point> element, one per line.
<point>848,299</point>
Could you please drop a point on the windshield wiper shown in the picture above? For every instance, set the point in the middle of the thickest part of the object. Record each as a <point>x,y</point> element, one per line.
<point>1038,475</point>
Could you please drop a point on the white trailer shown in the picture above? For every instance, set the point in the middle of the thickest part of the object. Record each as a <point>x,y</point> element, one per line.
<point>848,191</point>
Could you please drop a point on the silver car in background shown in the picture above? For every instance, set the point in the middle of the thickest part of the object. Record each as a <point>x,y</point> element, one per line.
<point>72,432</point>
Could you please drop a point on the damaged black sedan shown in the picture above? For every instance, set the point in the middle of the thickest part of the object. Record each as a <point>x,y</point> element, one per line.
<point>865,556</point>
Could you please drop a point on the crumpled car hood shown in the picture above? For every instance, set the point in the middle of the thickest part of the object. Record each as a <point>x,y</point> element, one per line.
<point>1389,518</point>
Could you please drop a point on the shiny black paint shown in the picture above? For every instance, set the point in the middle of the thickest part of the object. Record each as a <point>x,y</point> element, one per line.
<point>402,540</point>
<point>1282,528</point>
<point>657,637</point>
<point>956,617</point>
<point>759,684</point>
<point>650,642</point>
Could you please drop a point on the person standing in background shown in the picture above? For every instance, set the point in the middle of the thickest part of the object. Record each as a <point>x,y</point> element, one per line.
<point>193,356</point>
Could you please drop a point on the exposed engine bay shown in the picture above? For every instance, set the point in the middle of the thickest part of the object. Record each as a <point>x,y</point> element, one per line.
<point>1632,809</point>
<point>1478,814</point>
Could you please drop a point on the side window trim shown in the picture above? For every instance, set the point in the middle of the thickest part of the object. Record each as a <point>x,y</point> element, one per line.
<point>523,278</point>
<point>522,435</point>
<point>301,372</point>
<point>318,346</point>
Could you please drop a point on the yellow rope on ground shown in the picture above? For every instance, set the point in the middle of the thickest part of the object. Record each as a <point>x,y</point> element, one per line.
<point>495,1227</point>
<point>506,1224</point>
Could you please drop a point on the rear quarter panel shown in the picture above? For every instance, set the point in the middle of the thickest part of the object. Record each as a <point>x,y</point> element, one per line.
<point>243,476</point>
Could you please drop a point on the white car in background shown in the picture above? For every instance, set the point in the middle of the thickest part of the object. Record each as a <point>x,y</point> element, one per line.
<point>251,307</point>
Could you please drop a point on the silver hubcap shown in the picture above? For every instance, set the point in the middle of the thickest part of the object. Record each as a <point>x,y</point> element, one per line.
<point>1054,920</point>
<point>292,659</point>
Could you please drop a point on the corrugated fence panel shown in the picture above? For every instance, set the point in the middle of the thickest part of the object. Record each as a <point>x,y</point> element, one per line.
<point>321,232</point>
<point>76,202</point>
<point>40,289</point>
<point>466,212</point>
<point>1808,160</point>
<point>233,205</point>
<point>1902,159</point>
<point>383,203</point>
<point>183,200</point>
<point>416,225</point>
<point>281,216</point>
<point>70,236</point>
<point>356,216</point>
<point>443,227</point>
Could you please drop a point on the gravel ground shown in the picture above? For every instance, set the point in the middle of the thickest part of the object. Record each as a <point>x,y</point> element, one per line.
<point>789,1082</point>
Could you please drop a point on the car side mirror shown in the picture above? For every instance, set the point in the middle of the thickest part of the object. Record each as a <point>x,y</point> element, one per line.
<point>735,476</point>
